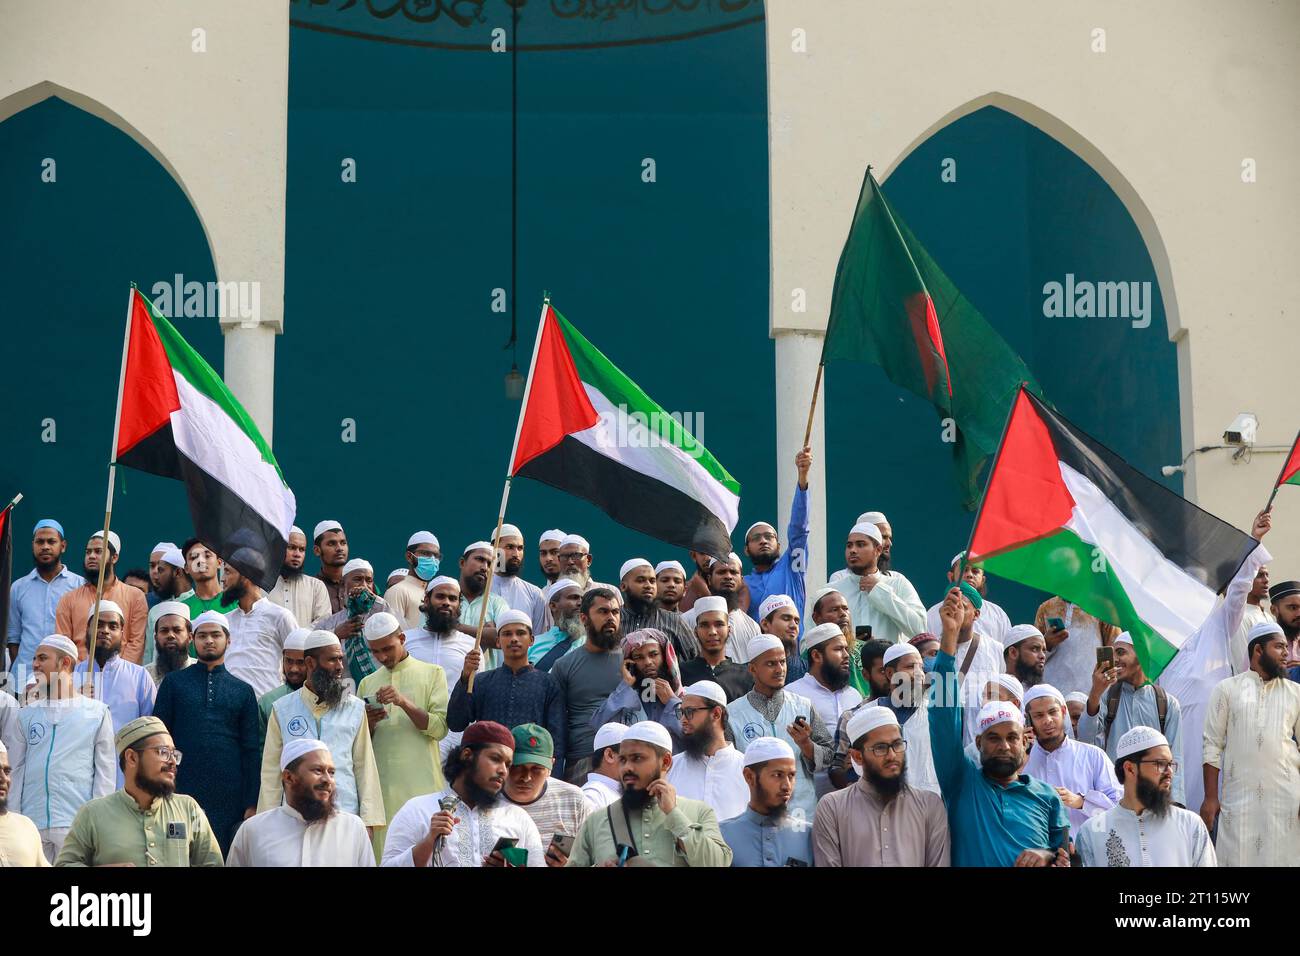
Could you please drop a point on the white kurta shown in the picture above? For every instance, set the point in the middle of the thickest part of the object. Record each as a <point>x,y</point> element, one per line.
<point>1239,645</point>
<point>719,781</point>
<point>892,608</point>
<point>1119,837</point>
<point>741,629</point>
<point>600,791</point>
<point>1080,768</point>
<point>524,596</point>
<point>1251,726</point>
<point>471,840</point>
<point>987,665</point>
<point>993,622</point>
<point>304,597</point>
<point>257,644</point>
<point>282,838</point>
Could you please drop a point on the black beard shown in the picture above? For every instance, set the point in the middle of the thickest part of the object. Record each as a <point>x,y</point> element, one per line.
<point>999,768</point>
<point>635,799</point>
<point>207,657</point>
<point>1289,631</point>
<point>46,565</point>
<point>731,597</point>
<point>832,677</point>
<point>289,573</point>
<point>233,593</point>
<point>155,788</point>
<point>105,654</point>
<point>696,744</point>
<point>885,786</point>
<point>601,641</point>
<point>637,604</point>
<point>1156,801</point>
<point>882,562</point>
<point>778,813</point>
<point>1028,674</point>
<point>479,797</point>
<point>328,689</point>
<point>1272,669</point>
<point>295,683</point>
<point>168,659</point>
<point>512,567</point>
<point>4,805</point>
<point>312,807</point>
<point>439,621</point>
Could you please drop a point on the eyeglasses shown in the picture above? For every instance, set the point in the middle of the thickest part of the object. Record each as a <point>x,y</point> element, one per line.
<point>689,712</point>
<point>168,754</point>
<point>898,747</point>
<point>572,555</point>
<point>1163,766</point>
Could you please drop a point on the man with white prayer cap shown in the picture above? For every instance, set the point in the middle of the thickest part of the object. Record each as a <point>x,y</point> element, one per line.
<point>423,559</point>
<point>564,602</point>
<point>779,616</point>
<point>548,554</point>
<point>127,688</point>
<point>670,585</point>
<point>638,585</point>
<point>20,841</point>
<point>827,681</point>
<point>829,606</point>
<point>765,833</point>
<point>575,559</point>
<point>769,710</point>
<point>711,623</point>
<point>1084,777</point>
<point>885,562</point>
<point>302,595</point>
<point>1024,653</point>
<point>330,544</point>
<point>519,594</point>
<point>475,605</point>
<point>724,581</point>
<point>307,829</point>
<point>1251,727</point>
<point>50,784</point>
<point>1075,701</point>
<point>442,640</point>
<point>73,613</point>
<point>708,767</point>
<point>997,816</point>
<point>650,825</point>
<point>882,819</point>
<point>882,600</point>
<point>776,571</point>
<point>1145,828</point>
<point>172,632</point>
<point>167,582</point>
<point>361,602</point>
<point>993,622</point>
<point>293,662</point>
<point>324,709</point>
<point>602,786</point>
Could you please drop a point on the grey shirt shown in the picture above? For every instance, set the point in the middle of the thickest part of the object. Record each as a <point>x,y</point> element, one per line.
<point>586,679</point>
<point>856,827</point>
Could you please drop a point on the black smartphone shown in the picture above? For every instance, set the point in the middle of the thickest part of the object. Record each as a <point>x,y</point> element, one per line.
<point>1056,623</point>
<point>504,842</point>
<point>863,632</point>
<point>1106,655</point>
<point>795,861</point>
<point>801,720</point>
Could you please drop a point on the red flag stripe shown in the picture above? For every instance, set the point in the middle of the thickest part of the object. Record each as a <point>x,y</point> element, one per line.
<point>557,403</point>
<point>149,393</point>
<point>1291,470</point>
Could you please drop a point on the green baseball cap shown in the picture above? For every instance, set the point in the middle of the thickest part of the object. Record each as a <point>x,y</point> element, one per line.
<point>533,744</point>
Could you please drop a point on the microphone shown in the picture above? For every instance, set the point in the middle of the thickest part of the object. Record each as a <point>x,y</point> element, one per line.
<point>447,804</point>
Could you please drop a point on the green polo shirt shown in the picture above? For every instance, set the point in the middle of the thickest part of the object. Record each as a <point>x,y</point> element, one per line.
<point>689,836</point>
<point>174,831</point>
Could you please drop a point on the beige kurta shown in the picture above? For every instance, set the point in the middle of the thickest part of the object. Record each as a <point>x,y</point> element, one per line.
<point>404,599</point>
<point>1250,734</point>
<point>20,842</point>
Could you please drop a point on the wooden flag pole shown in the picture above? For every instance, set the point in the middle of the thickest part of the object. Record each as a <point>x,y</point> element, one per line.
<point>1282,471</point>
<point>505,492</point>
<point>812,409</point>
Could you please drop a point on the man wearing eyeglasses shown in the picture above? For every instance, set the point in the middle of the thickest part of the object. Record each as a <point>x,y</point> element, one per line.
<point>880,820</point>
<point>147,823</point>
<point>1145,828</point>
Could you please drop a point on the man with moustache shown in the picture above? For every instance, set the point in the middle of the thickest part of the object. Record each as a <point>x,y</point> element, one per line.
<point>518,594</point>
<point>307,829</point>
<point>146,823</point>
<point>555,806</point>
<point>126,688</point>
<point>171,636</point>
<point>258,628</point>
<point>1145,828</point>
<point>162,582</point>
<point>588,675</point>
<point>460,826</point>
<point>170,573</point>
<point>1284,599</point>
<point>830,607</point>
<point>778,616</point>
<point>474,604</point>
<point>640,612</point>
<point>712,631</point>
<point>564,601</point>
<point>348,623</point>
<point>322,708</point>
<point>442,641</point>
<point>697,585</point>
<point>405,596</point>
<point>212,715</point>
<point>878,598</point>
<point>293,662</point>
<point>34,599</point>
<point>776,571</point>
<point>650,825</point>
<point>650,686</point>
<point>73,612</point>
<point>302,595</point>
<point>548,554</point>
<point>764,833</point>
<point>881,820</point>
<point>993,622</point>
<point>330,544</point>
<point>826,682</point>
<point>1082,774</point>
<point>670,584</point>
<point>708,767</point>
<point>1025,654</point>
<point>725,581</point>
<point>20,841</point>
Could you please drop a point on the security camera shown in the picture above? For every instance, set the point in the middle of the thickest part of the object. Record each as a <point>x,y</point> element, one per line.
<point>1170,470</point>
<point>1242,430</point>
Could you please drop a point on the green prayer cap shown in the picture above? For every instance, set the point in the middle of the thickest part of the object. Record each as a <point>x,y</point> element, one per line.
<point>533,744</point>
<point>968,589</point>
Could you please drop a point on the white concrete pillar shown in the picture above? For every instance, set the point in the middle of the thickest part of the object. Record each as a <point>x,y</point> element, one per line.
<point>250,371</point>
<point>797,355</point>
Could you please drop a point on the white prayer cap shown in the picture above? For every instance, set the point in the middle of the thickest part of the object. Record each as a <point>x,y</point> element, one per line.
<point>113,540</point>
<point>822,592</point>
<point>872,517</point>
<point>774,602</point>
<point>4,751</point>
<point>707,689</point>
<point>1124,637</point>
<point>323,526</point>
<point>297,639</point>
<point>479,546</point>
<point>212,617</point>
<point>896,651</point>
<point>710,602</point>
<point>61,643</point>
<point>631,565</point>
<point>1021,632</point>
<point>663,566</point>
<point>868,719</point>
<point>296,530</point>
<point>577,539</point>
<point>555,534</point>
<point>397,573</point>
<point>816,636</point>
<point>299,747</point>
<point>1138,739</point>
<point>164,608</point>
<point>439,580</point>
<point>105,607</point>
<point>379,626</point>
<point>510,531</point>
<point>1039,691</point>
<point>163,546</point>
<point>956,559</point>
<point>650,732</point>
<point>868,529</point>
<point>689,616</point>
<point>758,524</point>
<point>609,735</point>
<point>1009,682</point>
<point>732,558</point>
<point>763,749</point>
<point>422,537</point>
<point>357,564</point>
<point>558,587</point>
<point>762,644</point>
<point>995,713</point>
<point>174,558</point>
<point>1264,629</point>
<point>514,616</point>
<point>320,639</point>
<point>1076,697</point>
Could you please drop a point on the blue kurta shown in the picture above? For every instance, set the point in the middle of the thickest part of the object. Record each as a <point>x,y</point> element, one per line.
<point>788,574</point>
<point>212,716</point>
<point>756,840</point>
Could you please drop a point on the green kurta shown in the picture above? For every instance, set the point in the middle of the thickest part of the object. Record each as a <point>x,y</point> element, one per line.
<point>174,831</point>
<point>689,836</point>
<point>408,758</point>
<point>264,705</point>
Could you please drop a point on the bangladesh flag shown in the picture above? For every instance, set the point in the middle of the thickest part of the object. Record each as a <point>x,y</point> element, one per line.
<point>894,307</point>
<point>1065,514</point>
<point>180,421</point>
<point>588,429</point>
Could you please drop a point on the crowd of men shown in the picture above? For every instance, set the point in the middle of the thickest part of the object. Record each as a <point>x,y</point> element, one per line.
<point>711,718</point>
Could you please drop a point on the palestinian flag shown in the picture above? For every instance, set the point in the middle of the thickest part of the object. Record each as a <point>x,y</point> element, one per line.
<point>180,421</point>
<point>1065,514</point>
<point>588,429</point>
<point>1290,474</point>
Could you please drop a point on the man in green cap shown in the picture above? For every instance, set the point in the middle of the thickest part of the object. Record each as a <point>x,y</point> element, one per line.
<point>147,823</point>
<point>558,808</point>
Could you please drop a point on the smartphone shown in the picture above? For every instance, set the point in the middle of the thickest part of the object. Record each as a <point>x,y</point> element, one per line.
<point>503,843</point>
<point>801,720</point>
<point>1056,623</point>
<point>1106,655</point>
<point>794,861</point>
<point>372,704</point>
<point>563,842</point>
<point>624,852</point>
<point>862,632</point>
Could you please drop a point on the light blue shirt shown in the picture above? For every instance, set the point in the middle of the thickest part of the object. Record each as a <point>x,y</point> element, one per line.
<point>32,603</point>
<point>758,840</point>
<point>1137,708</point>
<point>126,688</point>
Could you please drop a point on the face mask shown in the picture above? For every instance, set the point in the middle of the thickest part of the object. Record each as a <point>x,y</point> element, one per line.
<point>928,664</point>
<point>426,569</point>
<point>359,604</point>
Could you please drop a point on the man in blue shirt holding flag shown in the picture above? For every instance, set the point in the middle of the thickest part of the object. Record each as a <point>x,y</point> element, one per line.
<point>775,571</point>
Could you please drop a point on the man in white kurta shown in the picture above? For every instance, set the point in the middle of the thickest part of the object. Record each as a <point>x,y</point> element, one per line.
<point>521,595</point>
<point>883,600</point>
<point>993,622</point>
<point>1082,774</point>
<point>709,769</point>
<point>827,682</point>
<point>1251,727</point>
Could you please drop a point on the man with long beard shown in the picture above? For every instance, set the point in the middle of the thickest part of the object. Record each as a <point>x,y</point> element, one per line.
<point>441,641</point>
<point>126,688</point>
<point>167,583</point>
<point>650,825</point>
<point>765,833</point>
<point>827,682</point>
<point>322,708</point>
<point>147,823</point>
<point>1145,828</point>
<point>302,595</point>
<point>650,685</point>
<point>587,676</point>
<point>519,594</point>
<point>1251,725</point>
<point>308,830</point>
<point>171,636</point>
<point>708,768</point>
<point>1025,654</point>
<point>640,611</point>
<point>258,629</point>
<point>564,600</point>
<point>881,820</point>
<point>460,826</point>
